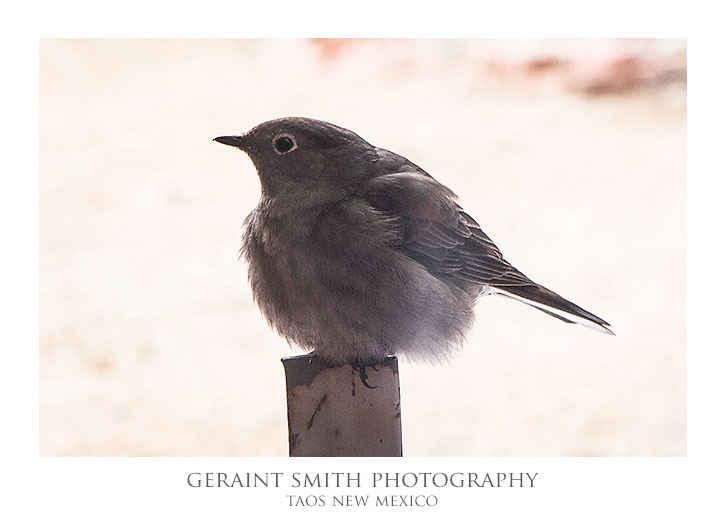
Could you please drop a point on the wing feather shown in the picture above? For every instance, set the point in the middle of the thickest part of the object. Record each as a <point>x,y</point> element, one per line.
<point>441,236</point>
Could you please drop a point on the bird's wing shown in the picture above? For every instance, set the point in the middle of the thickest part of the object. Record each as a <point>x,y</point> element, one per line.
<point>437,231</point>
<point>440,235</point>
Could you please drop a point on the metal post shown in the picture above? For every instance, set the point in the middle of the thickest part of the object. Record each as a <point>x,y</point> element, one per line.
<point>330,412</point>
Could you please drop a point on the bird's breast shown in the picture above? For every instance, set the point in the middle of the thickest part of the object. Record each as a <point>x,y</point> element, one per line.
<point>339,278</point>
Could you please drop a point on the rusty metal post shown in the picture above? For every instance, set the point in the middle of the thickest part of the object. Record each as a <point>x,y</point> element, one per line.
<point>331,413</point>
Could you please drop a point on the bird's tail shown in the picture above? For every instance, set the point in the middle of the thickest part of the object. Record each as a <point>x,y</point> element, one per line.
<point>551,303</point>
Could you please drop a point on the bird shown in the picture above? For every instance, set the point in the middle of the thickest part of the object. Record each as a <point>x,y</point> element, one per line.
<point>355,253</point>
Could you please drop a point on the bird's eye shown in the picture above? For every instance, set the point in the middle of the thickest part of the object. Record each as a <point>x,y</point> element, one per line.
<point>284,143</point>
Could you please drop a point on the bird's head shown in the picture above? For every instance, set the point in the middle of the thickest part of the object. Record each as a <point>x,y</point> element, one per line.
<point>298,156</point>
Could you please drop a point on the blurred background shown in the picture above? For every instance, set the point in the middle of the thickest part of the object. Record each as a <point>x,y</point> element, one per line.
<point>570,153</point>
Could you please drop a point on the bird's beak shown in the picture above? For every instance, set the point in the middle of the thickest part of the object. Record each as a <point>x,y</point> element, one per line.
<point>233,141</point>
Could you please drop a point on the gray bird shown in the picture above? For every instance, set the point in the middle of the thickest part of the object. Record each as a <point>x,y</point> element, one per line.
<point>357,253</point>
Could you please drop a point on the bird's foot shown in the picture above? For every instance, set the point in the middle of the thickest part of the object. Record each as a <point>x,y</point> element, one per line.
<point>361,368</point>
